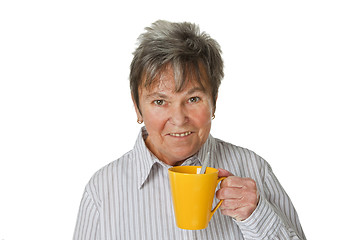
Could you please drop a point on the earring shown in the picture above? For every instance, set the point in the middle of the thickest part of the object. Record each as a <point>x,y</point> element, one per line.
<point>213,116</point>
<point>139,121</point>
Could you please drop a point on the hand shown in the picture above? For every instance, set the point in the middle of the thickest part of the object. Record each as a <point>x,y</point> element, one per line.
<point>240,196</point>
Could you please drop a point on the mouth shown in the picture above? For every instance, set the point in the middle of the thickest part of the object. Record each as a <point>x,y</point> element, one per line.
<point>183,134</point>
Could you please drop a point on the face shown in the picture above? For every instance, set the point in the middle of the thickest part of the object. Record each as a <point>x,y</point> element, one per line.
<point>178,123</point>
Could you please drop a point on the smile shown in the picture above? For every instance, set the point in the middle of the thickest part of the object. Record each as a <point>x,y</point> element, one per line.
<point>180,134</point>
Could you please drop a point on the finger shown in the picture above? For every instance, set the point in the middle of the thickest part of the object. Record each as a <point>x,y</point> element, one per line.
<point>231,204</point>
<point>224,173</point>
<point>237,193</point>
<point>239,214</point>
<point>239,182</point>
<point>228,193</point>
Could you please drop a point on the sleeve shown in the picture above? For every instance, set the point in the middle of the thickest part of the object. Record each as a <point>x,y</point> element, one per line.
<point>275,216</point>
<point>87,225</point>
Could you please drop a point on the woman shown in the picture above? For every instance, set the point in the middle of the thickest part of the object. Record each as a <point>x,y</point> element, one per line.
<point>175,75</point>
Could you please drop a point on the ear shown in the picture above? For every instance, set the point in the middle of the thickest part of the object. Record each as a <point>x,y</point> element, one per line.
<point>138,112</point>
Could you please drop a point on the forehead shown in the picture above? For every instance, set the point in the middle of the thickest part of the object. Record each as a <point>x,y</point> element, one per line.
<point>165,88</point>
<point>169,81</point>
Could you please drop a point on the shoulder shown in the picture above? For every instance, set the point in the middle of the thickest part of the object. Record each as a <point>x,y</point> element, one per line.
<point>240,161</point>
<point>113,167</point>
<point>237,152</point>
<point>108,173</point>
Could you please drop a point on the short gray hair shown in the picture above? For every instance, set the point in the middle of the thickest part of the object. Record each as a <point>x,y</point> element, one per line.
<point>184,48</point>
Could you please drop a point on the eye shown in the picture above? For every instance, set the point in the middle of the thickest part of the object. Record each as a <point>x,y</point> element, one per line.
<point>159,102</point>
<point>194,99</point>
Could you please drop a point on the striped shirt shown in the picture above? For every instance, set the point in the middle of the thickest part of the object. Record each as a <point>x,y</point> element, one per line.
<point>130,199</point>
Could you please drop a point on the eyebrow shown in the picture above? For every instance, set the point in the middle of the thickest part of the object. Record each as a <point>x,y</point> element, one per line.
<point>156,95</point>
<point>196,89</point>
<point>164,96</point>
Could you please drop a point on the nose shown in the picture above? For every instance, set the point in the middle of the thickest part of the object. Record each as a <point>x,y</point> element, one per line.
<point>178,115</point>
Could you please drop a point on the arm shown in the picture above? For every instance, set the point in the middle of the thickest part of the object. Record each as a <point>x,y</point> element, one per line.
<point>268,214</point>
<point>87,225</point>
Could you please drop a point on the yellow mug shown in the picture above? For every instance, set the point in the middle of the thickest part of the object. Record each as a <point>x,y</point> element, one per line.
<point>193,195</point>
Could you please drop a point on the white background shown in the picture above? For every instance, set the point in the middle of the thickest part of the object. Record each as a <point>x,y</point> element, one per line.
<point>290,93</point>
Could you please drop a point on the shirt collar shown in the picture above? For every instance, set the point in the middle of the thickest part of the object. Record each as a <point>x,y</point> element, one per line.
<point>145,160</point>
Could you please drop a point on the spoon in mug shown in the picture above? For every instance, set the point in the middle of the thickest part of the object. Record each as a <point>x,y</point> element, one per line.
<point>205,164</point>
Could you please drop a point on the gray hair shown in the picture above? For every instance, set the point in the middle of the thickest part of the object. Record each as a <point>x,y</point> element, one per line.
<point>182,46</point>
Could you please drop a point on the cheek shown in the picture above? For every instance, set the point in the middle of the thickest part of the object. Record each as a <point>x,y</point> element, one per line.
<point>154,120</point>
<point>202,117</point>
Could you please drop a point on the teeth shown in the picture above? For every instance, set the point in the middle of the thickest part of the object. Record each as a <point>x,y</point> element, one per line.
<point>180,134</point>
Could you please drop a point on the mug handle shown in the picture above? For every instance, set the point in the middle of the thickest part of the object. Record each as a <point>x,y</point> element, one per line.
<point>220,202</point>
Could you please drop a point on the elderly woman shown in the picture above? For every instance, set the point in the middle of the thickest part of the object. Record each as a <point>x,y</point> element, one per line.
<point>175,76</point>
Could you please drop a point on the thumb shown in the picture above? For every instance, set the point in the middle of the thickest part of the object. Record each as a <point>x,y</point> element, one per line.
<point>224,173</point>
